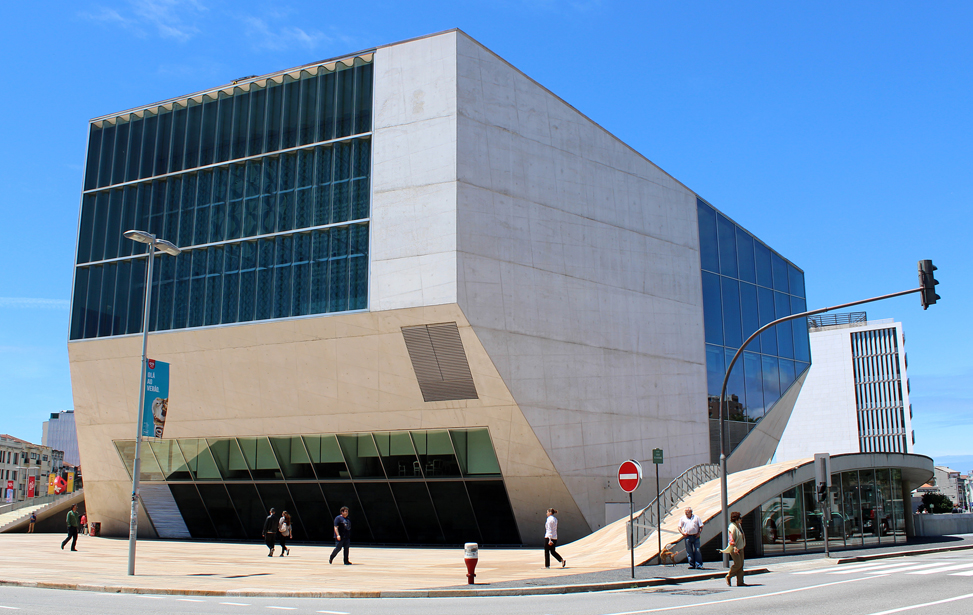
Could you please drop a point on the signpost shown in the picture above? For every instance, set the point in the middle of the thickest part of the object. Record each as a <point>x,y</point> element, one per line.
<point>629,479</point>
<point>657,461</point>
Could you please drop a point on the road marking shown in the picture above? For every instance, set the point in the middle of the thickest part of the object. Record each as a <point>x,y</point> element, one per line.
<point>283,608</point>
<point>945,568</point>
<point>854,567</point>
<point>968,573</point>
<point>150,597</point>
<point>235,603</point>
<point>886,568</point>
<point>12,608</point>
<point>919,606</point>
<point>727,600</point>
<point>898,570</point>
<point>335,612</point>
<point>189,600</point>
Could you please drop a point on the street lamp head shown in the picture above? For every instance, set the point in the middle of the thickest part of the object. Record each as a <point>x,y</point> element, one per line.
<point>168,247</point>
<point>139,236</point>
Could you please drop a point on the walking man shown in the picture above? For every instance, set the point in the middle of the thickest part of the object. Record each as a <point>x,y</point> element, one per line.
<point>74,524</point>
<point>342,535</point>
<point>30,524</point>
<point>690,526</point>
<point>270,531</point>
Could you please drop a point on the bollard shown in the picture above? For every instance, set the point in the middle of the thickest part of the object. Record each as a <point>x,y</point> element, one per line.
<point>471,555</point>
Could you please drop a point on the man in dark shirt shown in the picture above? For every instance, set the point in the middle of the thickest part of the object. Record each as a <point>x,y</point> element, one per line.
<point>270,531</point>
<point>342,535</point>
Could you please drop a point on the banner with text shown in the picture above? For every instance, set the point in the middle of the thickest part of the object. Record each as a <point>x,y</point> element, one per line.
<point>156,398</point>
<point>31,486</point>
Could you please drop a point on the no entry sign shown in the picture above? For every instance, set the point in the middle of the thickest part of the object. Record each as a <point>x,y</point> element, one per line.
<point>629,475</point>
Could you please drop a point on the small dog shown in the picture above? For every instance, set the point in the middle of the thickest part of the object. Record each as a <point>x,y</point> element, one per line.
<point>668,556</point>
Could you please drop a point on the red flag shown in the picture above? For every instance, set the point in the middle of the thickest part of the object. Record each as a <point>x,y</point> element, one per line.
<point>60,485</point>
<point>31,484</point>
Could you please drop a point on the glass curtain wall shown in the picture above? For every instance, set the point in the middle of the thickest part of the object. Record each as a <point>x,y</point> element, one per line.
<point>265,187</point>
<point>745,286</point>
<point>419,487</point>
<point>866,509</point>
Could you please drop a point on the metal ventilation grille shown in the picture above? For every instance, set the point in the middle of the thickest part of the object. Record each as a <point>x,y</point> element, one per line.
<point>440,362</point>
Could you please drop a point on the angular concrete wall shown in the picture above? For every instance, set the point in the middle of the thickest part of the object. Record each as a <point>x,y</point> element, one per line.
<point>579,272</point>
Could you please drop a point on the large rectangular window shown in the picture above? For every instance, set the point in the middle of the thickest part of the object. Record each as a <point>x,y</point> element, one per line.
<point>305,211</point>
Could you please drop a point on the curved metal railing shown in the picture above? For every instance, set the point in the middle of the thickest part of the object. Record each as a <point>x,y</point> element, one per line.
<point>670,496</point>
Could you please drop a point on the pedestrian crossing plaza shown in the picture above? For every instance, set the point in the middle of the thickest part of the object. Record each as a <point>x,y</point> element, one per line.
<point>952,566</point>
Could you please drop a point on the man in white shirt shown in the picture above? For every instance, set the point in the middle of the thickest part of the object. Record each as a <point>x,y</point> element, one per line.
<point>690,527</point>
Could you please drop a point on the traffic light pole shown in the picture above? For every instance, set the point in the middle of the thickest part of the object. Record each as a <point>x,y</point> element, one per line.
<point>724,410</point>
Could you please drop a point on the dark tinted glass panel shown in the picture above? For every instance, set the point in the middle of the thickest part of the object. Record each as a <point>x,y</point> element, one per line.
<point>87,228</point>
<point>753,376</point>
<point>260,458</point>
<point>785,338</point>
<point>122,294</point>
<point>398,455</point>
<point>494,515</point>
<point>749,311</point>
<point>91,163</point>
<point>454,511</point>
<point>134,149</point>
<point>128,220</point>
<point>249,508</point>
<point>308,119</point>
<point>435,451</point>
<point>765,275</point>
<point>224,127</point>
<point>383,515</point>
<point>361,454</point>
<point>767,311</point>
<point>113,228</point>
<point>345,102</point>
<point>851,507</point>
<point>257,130</point>
<point>229,459</point>
<point>178,138</point>
<point>107,150</point>
<point>99,227</point>
<point>736,394</point>
<point>207,132</point>
<point>771,374</point>
<point>363,105</point>
<point>746,266</point>
<point>291,111</point>
<point>780,273</point>
<point>105,307</point>
<point>120,157</point>
<point>732,328</point>
<point>214,285</point>
<point>417,511</point>
<point>712,308</point>
<point>787,374</point>
<point>276,496</point>
<point>715,370</point>
<point>221,511</point>
<point>150,125</point>
<point>326,105</point>
<point>92,303</point>
<point>344,494</point>
<point>275,100</point>
<point>312,511</point>
<point>728,249</point>
<point>78,302</point>
<point>293,458</point>
<point>326,456</point>
<point>241,113</point>
<point>265,279</point>
<point>192,510</point>
<point>180,297</point>
<point>194,120</point>
<point>795,280</point>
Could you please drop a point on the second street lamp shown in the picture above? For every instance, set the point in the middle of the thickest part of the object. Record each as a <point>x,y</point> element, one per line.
<point>169,248</point>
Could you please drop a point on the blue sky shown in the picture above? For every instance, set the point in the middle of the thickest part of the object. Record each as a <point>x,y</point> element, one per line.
<point>840,135</point>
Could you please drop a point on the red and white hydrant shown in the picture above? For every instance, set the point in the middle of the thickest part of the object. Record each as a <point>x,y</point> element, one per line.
<point>471,555</point>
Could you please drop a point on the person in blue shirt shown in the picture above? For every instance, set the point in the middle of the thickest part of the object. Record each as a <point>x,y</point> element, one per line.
<point>342,535</point>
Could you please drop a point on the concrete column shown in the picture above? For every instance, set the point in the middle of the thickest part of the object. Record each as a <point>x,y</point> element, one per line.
<point>910,527</point>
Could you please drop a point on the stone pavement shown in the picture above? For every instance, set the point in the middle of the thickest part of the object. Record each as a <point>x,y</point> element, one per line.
<point>198,568</point>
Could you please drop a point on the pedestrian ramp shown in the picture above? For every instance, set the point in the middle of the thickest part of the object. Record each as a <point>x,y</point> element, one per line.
<point>746,491</point>
<point>18,520</point>
<point>912,567</point>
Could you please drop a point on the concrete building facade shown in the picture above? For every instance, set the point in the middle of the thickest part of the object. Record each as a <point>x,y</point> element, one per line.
<point>508,302</point>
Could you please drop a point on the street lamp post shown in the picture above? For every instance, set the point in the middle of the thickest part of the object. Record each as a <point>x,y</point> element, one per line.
<point>168,248</point>
<point>724,410</point>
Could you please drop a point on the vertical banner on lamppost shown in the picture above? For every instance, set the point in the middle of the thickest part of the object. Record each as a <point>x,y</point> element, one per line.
<point>10,491</point>
<point>50,483</point>
<point>31,486</point>
<point>70,487</point>
<point>156,398</point>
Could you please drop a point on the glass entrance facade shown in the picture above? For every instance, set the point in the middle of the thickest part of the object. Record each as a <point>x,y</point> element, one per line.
<point>265,187</point>
<point>867,509</point>
<point>434,486</point>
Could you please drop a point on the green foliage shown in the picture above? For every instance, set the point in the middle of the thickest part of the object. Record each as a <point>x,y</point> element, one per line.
<point>937,503</point>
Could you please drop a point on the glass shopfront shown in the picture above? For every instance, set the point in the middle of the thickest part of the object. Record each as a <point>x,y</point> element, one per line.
<point>866,508</point>
<point>438,486</point>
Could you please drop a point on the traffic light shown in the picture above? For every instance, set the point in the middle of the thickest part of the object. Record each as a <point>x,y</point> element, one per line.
<point>822,492</point>
<point>927,283</point>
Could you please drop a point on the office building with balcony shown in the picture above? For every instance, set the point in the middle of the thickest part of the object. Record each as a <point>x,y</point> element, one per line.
<point>415,282</point>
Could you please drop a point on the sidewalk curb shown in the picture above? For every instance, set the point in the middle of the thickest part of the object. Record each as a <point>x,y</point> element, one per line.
<point>867,558</point>
<point>403,593</point>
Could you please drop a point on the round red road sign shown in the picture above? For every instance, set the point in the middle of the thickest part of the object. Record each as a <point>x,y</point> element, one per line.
<point>629,475</point>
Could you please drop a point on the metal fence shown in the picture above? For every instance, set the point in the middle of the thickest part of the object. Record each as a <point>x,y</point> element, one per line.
<point>645,521</point>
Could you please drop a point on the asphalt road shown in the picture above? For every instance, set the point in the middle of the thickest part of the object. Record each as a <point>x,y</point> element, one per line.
<point>926,584</point>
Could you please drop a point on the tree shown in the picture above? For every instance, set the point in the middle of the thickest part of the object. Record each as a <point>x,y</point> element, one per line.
<point>937,502</point>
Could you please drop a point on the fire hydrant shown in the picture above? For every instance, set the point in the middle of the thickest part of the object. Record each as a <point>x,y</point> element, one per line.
<point>471,556</point>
